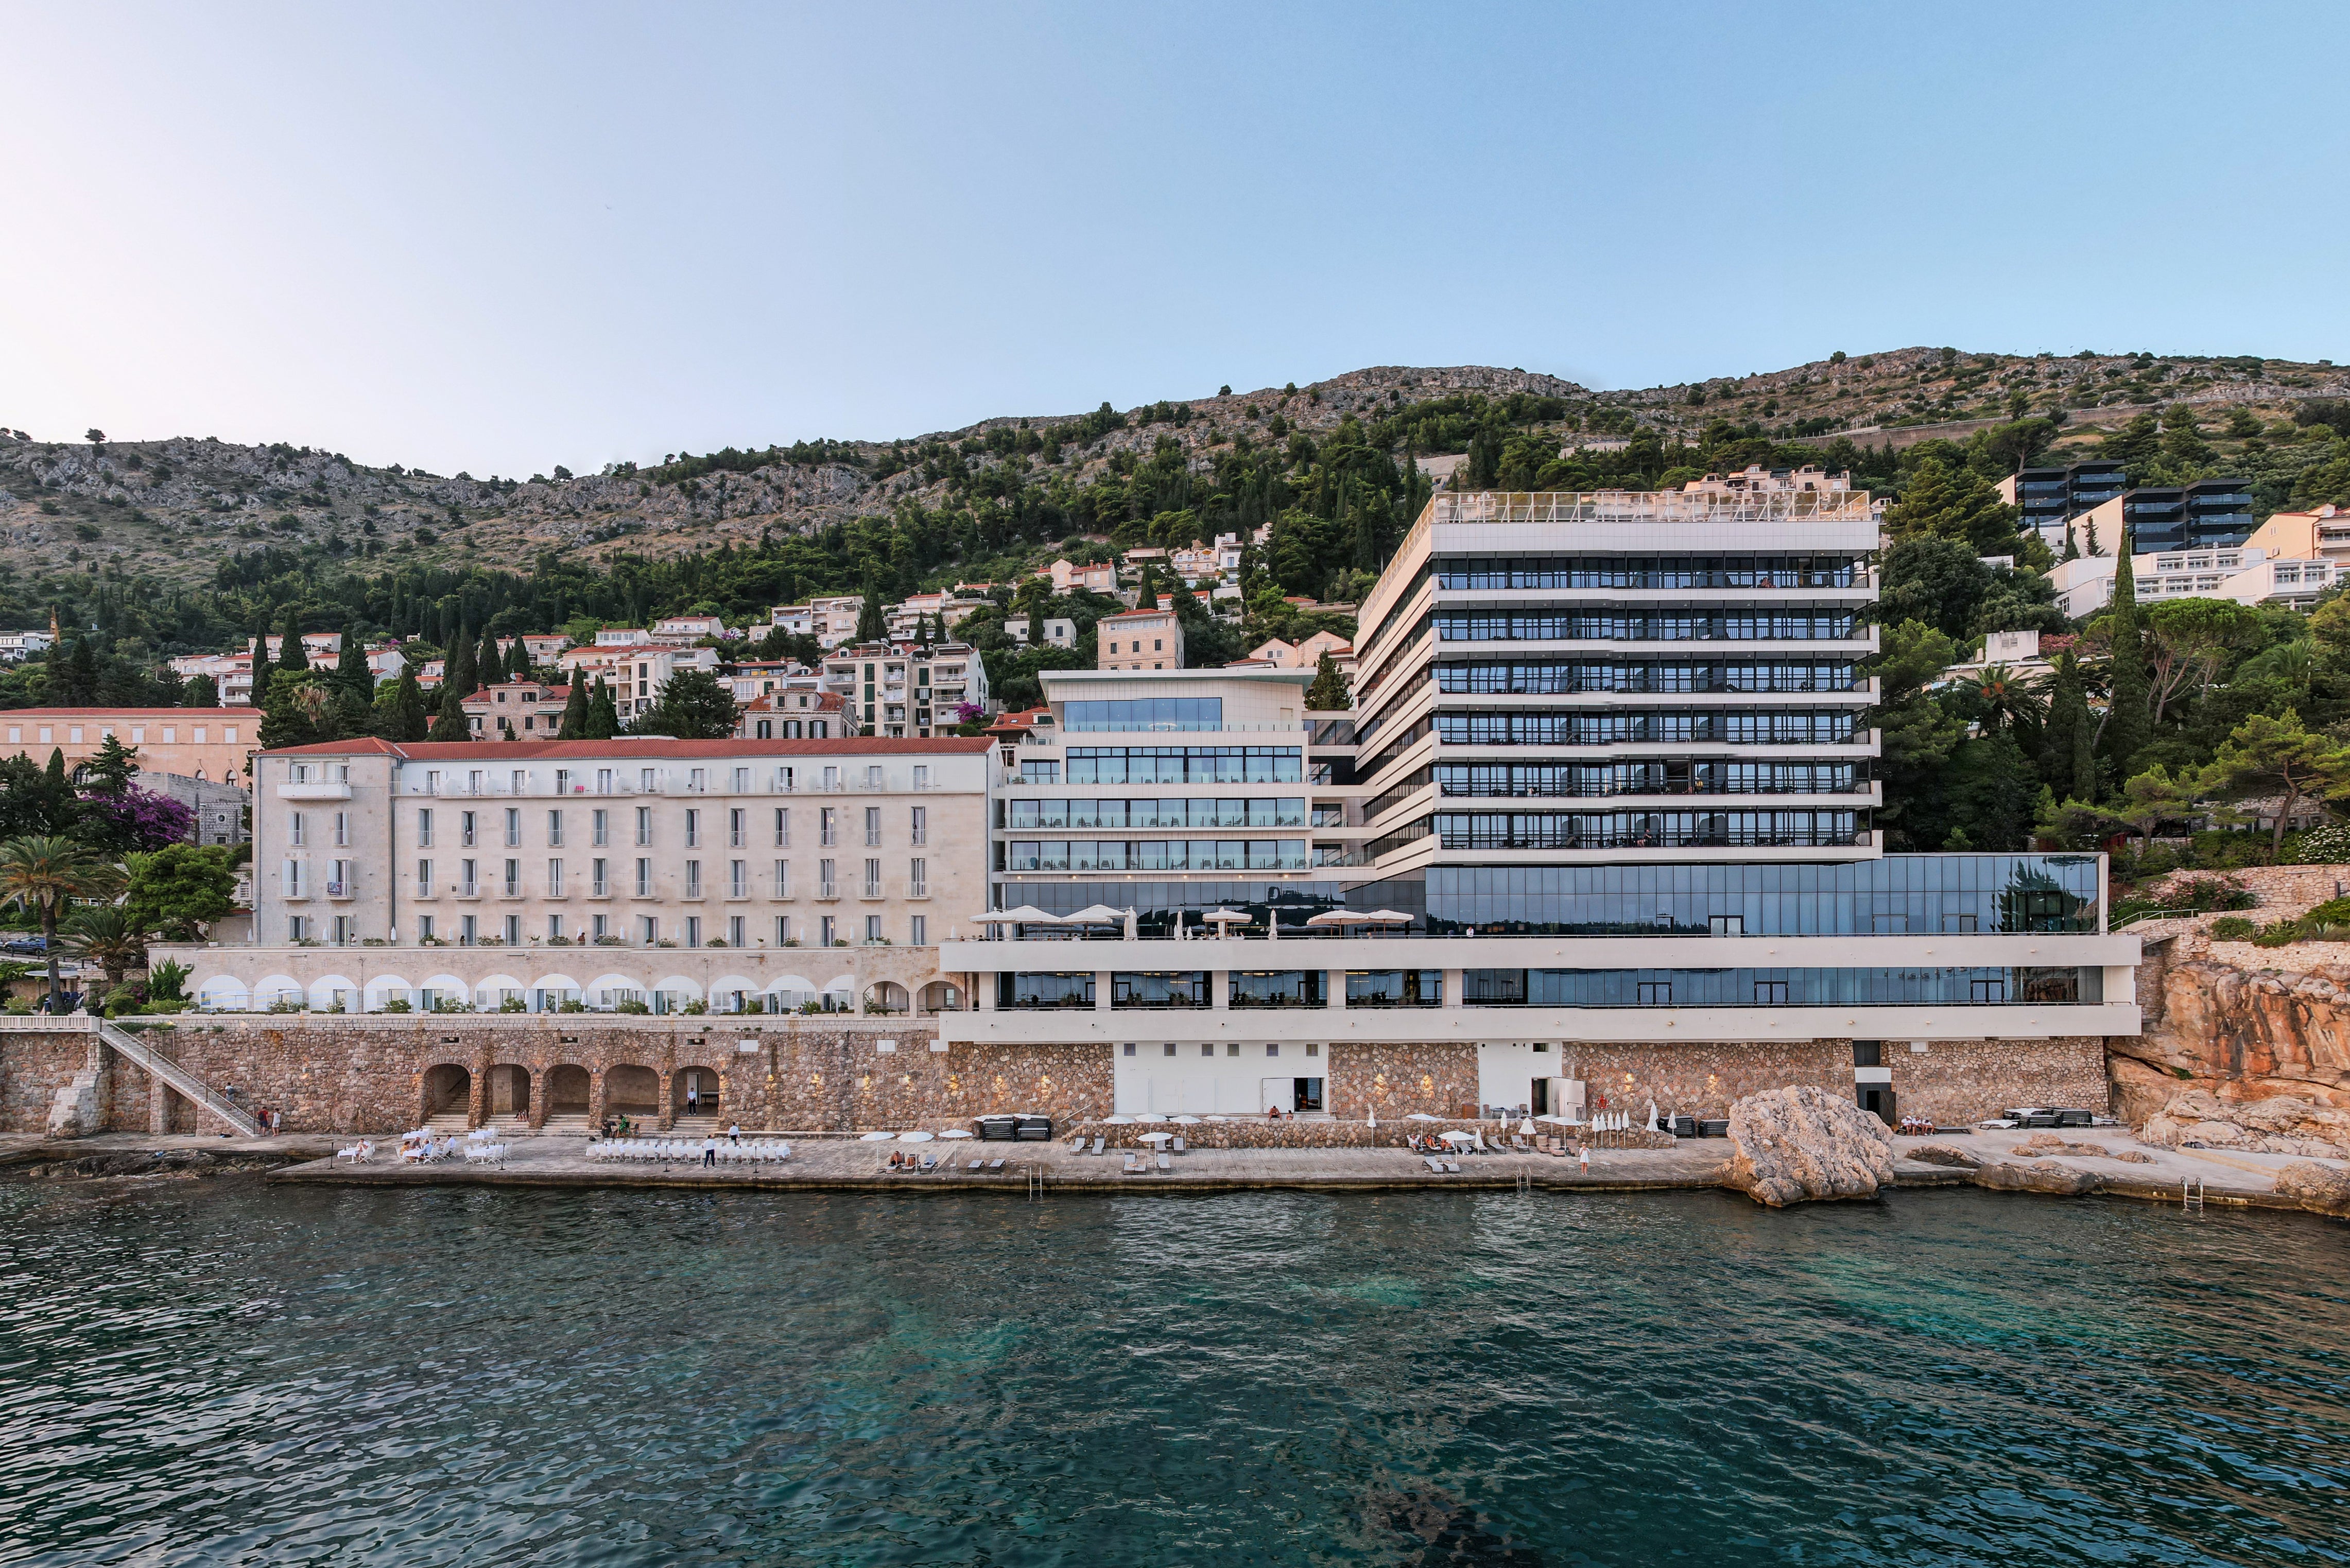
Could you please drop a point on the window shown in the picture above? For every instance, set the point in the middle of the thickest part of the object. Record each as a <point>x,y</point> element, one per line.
<point>742,781</point>
<point>555,879</point>
<point>424,827</point>
<point>603,781</point>
<point>692,828</point>
<point>1770,993</point>
<point>738,879</point>
<point>1868,1052</point>
<point>298,928</point>
<point>827,829</point>
<point>514,827</point>
<point>918,879</point>
<point>468,884</point>
<point>783,930</point>
<point>1129,1047</point>
<point>1727,925</point>
<point>824,885</point>
<point>468,930</point>
<point>644,878</point>
<point>645,780</point>
<point>693,931</point>
<point>465,829</point>
<point>1656,992</point>
<point>598,927</point>
<point>782,828</point>
<point>733,930</point>
<point>513,878</point>
<point>922,932</point>
<point>518,782</point>
<point>424,878</point>
<point>598,887</point>
<point>873,878</point>
<point>832,778</point>
<point>783,879</point>
<point>921,825</point>
<point>735,820</point>
<point>872,826</point>
<point>342,829</point>
<point>922,775</point>
<point>514,931</point>
<point>644,825</point>
<point>697,780</point>
<point>693,879</point>
<point>1273,1050</point>
<point>554,830</point>
<point>553,928</point>
<point>648,929</point>
<point>823,928</point>
<point>295,833</point>
<point>872,927</point>
<point>424,928</point>
<point>563,781</point>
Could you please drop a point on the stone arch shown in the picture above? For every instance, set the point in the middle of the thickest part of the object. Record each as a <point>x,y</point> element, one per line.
<point>223,993</point>
<point>632,1090</point>
<point>789,992</point>
<point>607,992</point>
<point>840,994</point>
<point>550,992</point>
<point>448,1091</point>
<point>273,988</point>
<point>332,992</point>
<point>731,992</point>
<point>943,996</point>
<point>568,1090</point>
<point>491,992</point>
<point>386,988</point>
<point>884,996</point>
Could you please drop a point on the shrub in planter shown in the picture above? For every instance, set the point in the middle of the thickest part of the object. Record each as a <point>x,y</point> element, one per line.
<point>631,1007</point>
<point>512,1004</point>
<point>2233,928</point>
<point>695,1008</point>
<point>2277,934</point>
<point>397,1005</point>
<point>574,1005</point>
<point>2202,893</point>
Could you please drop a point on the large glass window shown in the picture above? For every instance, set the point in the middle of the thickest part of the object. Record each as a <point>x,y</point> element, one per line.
<point>1155,854</point>
<point>1644,829</point>
<point>1661,777</point>
<point>1911,894</point>
<point>1186,764</point>
<point>1145,713</point>
<point>1278,988</point>
<point>1745,727</point>
<point>1667,572</point>
<point>1185,989</point>
<point>1649,626</point>
<point>1395,988</point>
<point>1951,986</point>
<point>1026,991</point>
<point>1157,812</point>
<point>1565,676</point>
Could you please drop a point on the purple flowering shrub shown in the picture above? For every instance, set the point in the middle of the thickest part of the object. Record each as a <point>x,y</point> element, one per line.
<point>133,820</point>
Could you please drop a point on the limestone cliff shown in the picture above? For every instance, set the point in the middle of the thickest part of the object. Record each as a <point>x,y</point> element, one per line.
<point>2240,1037</point>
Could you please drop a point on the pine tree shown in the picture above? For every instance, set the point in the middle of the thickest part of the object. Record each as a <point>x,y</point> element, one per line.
<point>2127,719</point>
<point>450,722</point>
<point>457,671</point>
<point>2064,737</point>
<point>575,712</point>
<point>518,661</point>
<point>351,673</point>
<point>1329,689</point>
<point>290,654</point>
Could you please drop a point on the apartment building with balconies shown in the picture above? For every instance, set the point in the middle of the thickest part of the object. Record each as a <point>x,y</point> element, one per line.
<point>901,690</point>
<point>1600,818</point>
<point>758,846</point>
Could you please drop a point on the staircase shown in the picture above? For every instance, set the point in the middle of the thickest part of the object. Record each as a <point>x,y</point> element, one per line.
<point>161,1068</point>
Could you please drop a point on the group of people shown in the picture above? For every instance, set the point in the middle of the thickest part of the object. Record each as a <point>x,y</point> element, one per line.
<point>1917,1127</point>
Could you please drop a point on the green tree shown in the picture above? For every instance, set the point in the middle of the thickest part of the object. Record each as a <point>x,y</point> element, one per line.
<point>300,711</point>
<point>34,801</point>
<point>109,769</point>
<point>2068,759</point>
<point>201,691</point>
<point>871,627</point>
<point>2128,717</point>
<point>694,705</point>
<point>1330,689</point>
<point>603,713</point>
<point>1919,733</point>
<point>351,673</point>
<point>1146,597</point>
<point>2187,640</point>
<point>262,670</point>
<point>450,721</point>
<point>179,890</point>
<point>105,935</point>
<point>291,655</point>
<point>2275,760</point>
<point>400,713</point>
<point>1955,503</point>
<point>2003,698</point>
<point>2152,798</point>
<point>574,711</point>
<point>45,875</point>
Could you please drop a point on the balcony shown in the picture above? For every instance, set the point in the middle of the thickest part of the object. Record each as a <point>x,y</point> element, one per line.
<point>336,789</point>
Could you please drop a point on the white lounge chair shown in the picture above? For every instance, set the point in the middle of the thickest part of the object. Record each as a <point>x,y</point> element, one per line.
<point>1435,1166</point>
<point>1165,1163</point>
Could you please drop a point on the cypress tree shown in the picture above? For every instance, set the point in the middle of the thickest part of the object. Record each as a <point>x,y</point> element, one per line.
<point>2128,718</point>
<point>603,713</point>
<point>450,723</point>
<point>575,712</point>
<point>518,661</point>
<point>871,628</point>
<point>290,656</point>
<point>1145,597</point>
<point>405,720</point>
<point>261,671</point>
<point>351,671</point>
<point>2066,732</point>
<point>458,669</point>
<point>489,664</point>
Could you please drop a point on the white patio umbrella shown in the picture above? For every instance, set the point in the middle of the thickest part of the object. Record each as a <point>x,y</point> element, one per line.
<point>915,1137</point>
<point>956,1132</point>
<point>1118,1121</point>
<point>1149,1116</point>
<point>1420,1117</point>
<point>1335,918</point>
<point>1027,915</point>
<point>1527,1126</point>
<point>1218,1118</point>
<point>878,1137</point>
<point>1187,1121</point>
<point>1096,915</point>
<point>1457,1136</point>
<point>1154,1136</point>
<point>1222,917</point>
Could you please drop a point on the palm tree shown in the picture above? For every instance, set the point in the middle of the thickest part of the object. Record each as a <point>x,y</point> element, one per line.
<point>105,935</point>
<point>2006,697</point>
<point>46,872</point>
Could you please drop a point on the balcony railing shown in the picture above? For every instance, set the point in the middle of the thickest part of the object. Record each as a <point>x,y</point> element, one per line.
<point>918,890</point>
<point>468,890</point>
<point>600,889</point>
<point>872,889</point>
<point>828,890</point>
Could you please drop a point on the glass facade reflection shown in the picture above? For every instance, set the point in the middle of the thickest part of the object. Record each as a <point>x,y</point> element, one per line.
<point>1924,985</point>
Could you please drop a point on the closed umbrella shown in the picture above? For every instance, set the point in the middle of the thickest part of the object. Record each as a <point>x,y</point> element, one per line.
<point>1527,1126</point>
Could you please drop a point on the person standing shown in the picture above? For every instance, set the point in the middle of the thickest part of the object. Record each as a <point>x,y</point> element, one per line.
<point>709,1153</point>
<point>735,1134</point>
<point>1583,1157</point>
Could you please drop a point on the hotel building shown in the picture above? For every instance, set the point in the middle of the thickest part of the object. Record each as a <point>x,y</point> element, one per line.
<point>765,865</point>
<point>1602,816</point>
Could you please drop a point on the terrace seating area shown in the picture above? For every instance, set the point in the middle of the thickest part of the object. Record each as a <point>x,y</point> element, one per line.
<point>667,1151</point>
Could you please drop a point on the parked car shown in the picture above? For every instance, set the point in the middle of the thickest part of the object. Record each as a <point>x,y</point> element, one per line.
<point>35,946</point>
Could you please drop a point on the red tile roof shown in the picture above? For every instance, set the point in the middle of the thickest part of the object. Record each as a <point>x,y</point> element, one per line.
<point>13,714</point>
<point>633,746</point>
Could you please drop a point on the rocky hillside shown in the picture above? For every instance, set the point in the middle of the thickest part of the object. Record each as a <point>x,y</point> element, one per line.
<point>168,510</point>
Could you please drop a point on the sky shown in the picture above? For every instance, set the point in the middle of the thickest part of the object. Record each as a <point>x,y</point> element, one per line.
<point>501,237</point>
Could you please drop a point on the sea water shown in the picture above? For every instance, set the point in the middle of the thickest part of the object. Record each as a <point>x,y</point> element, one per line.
<point>224,1372</point>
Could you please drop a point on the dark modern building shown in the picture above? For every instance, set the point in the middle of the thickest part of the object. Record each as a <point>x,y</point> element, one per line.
<point>2209,514</point>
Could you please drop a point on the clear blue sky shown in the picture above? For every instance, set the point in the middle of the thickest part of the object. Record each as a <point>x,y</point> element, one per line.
<point>504,237</point>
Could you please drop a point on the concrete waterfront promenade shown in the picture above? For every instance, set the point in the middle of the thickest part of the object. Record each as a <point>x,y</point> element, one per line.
<point>844,1164</point>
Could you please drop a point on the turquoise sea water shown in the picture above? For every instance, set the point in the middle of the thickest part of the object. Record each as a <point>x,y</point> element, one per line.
<point>222,1372</point>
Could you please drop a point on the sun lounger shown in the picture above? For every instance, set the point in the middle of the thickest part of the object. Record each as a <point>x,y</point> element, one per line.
<point>1165,1163</point>
<point>1452,1168</point>
<point>994,1165</point>
<point>1518,1143</point>
<point>1435,1166</point>
<point>1181,1146</point>
<point>930,1163</point>
<point>1099,1141</point>
<point>1134,1166</point>
<point>977,1163</point>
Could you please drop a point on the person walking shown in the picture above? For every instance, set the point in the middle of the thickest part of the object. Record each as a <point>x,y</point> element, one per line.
<point>735,1134</point>
<point>709,1153</point>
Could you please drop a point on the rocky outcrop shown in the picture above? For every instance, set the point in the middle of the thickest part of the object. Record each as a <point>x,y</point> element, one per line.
<point>2239,1036</point>
<point>1943,1154</point>
<point>2320,1187</point>
<point>2038,1175</point>
<point>2278,1124</point>
<point>1792,1145</point>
